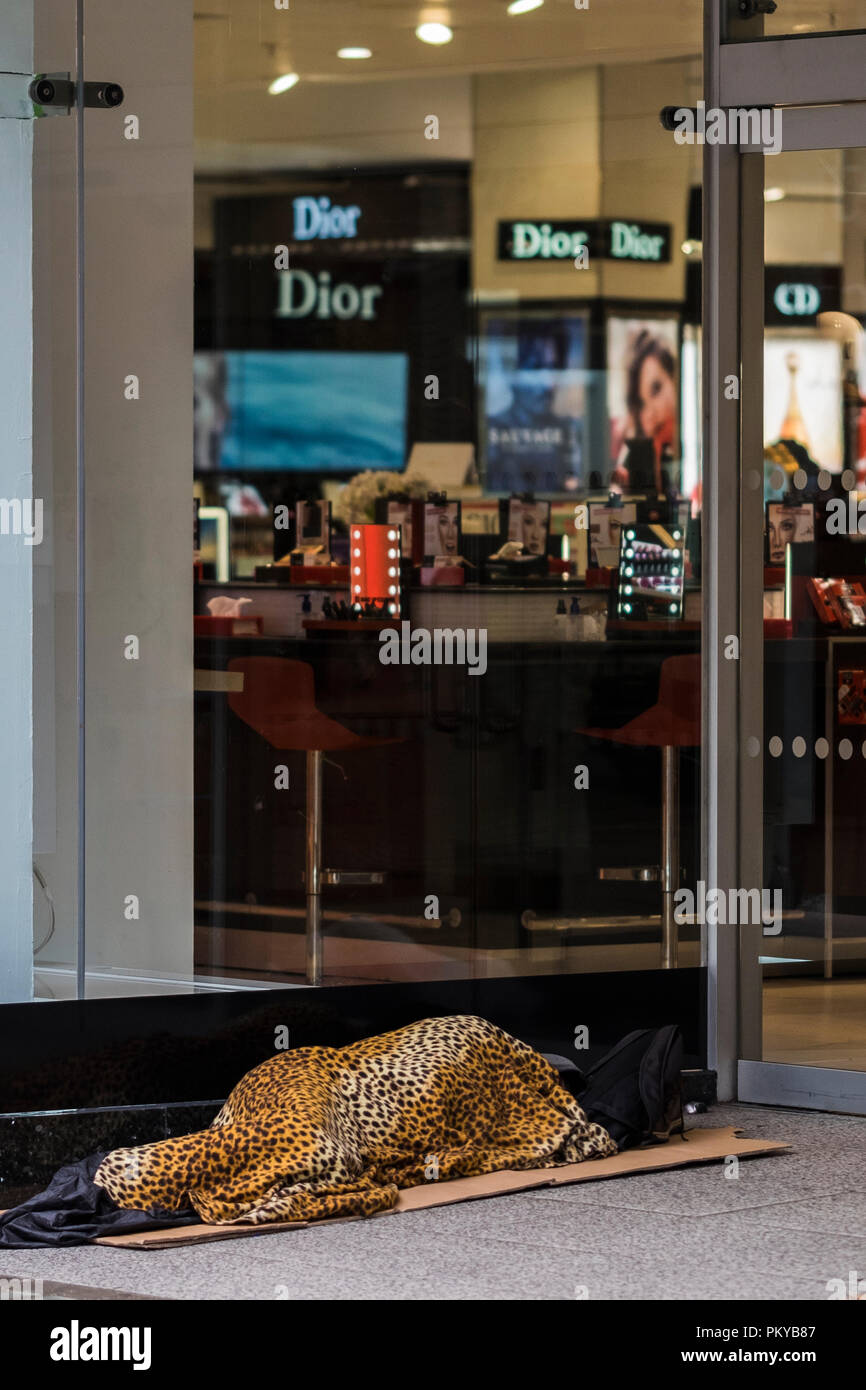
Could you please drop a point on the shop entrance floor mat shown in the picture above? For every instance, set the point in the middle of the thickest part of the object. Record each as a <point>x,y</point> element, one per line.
<point>698,1146</point>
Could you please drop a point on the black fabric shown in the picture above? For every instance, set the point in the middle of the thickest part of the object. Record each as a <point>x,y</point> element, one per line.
<point>74,1211</point>
<point>635,1091</point>
<point>570,1076</point>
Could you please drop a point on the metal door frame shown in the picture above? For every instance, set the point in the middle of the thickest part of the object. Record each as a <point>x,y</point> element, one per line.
<point>818,80</point>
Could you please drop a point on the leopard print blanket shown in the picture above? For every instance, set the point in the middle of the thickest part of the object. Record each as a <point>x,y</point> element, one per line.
<point>325,1132</point>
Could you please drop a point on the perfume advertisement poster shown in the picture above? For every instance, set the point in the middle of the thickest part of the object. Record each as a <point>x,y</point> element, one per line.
<point>528,522</point>
<point>606,525</point>
<point>803,395</point>
<point>788,526</point>
<point>533,400</point>
<point>442,529</point>
<point>643,385</point>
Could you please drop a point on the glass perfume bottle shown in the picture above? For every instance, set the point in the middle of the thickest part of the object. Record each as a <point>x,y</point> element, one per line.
<point>793,425</point>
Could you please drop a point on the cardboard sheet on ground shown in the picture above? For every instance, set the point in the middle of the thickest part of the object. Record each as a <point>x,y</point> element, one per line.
<point>699,1146</point>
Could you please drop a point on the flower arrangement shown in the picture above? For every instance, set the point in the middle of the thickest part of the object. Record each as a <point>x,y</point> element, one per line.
<point>357,499</point>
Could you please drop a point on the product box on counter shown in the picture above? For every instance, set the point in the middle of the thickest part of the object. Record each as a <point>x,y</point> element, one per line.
<point>600,577</point>
<point>206,625</point>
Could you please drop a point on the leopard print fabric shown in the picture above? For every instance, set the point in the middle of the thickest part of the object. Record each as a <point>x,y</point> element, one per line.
<point>325,1132</point>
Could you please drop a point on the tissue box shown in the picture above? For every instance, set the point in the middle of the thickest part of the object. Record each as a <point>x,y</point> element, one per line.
<point>205,625</point>
<point>442,574</point>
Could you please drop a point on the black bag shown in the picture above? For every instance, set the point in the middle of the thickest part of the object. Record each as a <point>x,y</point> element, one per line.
<point>635,1091</point>
<point>74,1211</point>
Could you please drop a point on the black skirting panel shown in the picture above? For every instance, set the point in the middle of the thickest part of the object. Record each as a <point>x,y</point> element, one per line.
<point>160,1065</point>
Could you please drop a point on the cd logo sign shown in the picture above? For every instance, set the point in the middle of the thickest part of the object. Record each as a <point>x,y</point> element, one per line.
<point>797,301</point>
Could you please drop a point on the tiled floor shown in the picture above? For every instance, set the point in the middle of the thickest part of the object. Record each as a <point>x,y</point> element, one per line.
<point>815,1022</point>
<point>780,1229</point>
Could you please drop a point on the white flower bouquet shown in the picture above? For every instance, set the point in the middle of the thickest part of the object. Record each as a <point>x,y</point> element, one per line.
<point>358,498</point>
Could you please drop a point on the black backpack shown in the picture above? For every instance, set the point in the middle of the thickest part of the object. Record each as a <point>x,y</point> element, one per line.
<point>635,1091</point>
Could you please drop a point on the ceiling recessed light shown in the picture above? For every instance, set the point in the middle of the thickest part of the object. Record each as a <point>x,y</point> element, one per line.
<point>283,84</point>
<point>773,195</point>
<point>521,6</point>
<point>434,33</point>
<point>354,53</point>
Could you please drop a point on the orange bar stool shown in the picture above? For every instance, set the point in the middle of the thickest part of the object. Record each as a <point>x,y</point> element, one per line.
<point>278,701</point>
<point>672,723</point>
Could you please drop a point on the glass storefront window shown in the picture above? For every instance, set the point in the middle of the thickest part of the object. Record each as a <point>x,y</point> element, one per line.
<point>391,439</point>
<point>473,278</point>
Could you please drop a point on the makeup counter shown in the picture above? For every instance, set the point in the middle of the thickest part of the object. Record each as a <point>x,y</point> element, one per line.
<point>489,776</point>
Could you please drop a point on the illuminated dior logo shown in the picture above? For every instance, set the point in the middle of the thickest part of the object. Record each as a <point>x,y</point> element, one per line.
<point>301,295</point>
<point>531,241</point>
<point>317,220</point>
<point>628,242</point>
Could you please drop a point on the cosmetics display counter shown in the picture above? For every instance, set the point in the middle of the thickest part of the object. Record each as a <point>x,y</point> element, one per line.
<point>477,802</point>
<point>519,612</point>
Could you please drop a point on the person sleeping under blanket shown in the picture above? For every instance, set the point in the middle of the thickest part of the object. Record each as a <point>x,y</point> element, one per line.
<point>325,1132</point>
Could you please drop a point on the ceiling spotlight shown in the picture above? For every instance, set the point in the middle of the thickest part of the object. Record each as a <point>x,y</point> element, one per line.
<point>521,6</point>
<point>354,53</point>
<point>774,195</point>
<point>283,84</point>
<point>434,33</point>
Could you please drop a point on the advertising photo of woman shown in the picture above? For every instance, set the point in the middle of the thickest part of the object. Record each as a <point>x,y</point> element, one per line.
<point>534,523</point>
<point>786,526</point>
<point>642,391</point>
<point>442,528</point>
<point>605,531</point>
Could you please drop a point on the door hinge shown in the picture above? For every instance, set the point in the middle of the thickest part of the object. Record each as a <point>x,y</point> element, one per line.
<point>27,96</point>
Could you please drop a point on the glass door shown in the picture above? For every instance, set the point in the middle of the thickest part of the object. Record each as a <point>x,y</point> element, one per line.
<point>798,646</point>
<point>335,272</point>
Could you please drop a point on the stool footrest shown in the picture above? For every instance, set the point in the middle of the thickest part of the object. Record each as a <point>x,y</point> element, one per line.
<point>529,920</point>
<point>646,874</point>
<point>335,877</point>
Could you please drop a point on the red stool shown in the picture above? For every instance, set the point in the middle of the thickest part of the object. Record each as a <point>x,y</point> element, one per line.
<point>278,701</point>
<point>672,723</point>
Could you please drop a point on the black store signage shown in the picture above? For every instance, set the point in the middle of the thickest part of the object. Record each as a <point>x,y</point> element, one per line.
<point>376,264</point>
<point>373,264</point>
<point>609,239</point>
<point>797,294</point>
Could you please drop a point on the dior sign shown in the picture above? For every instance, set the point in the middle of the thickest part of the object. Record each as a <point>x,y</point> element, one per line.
<point>606,238</point>
<point>317,220</point>
<point>301,295</point>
